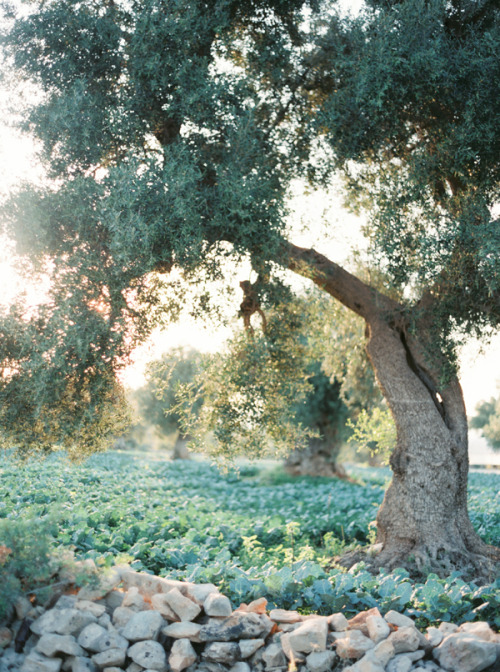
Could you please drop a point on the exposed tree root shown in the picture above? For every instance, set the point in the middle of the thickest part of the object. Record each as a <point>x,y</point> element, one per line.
<point>441,559</point>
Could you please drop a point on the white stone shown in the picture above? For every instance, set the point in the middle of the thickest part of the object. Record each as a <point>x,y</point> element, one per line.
<point>338,622</point>
<point>80,664</point>
<point>285,616</point>
<point>400,663</point>
<point>448,628</point>
<point>148,585</point>
<point>434,636</point>
<point>112,640</point>
<point>292,655</point>
<point>353,645</point>
<point>378,628</point>
<point>198,592</point>
<point>109,658</point>
<point>150,655</point>
<point>217,605</point>
<point>133,599</point>
<point>62,622</point>
<point>480,629</point>
<point>249,646</point>
<point>159,603</point>
<point>183,630</point>
<point>23,607</point>
<point>402,621</point>
<point>90,636</point>
<point>36,662</point>
<point>358,622</point>
<point>405,639</point>
<point>143,625</point>
<point>320,661</point>
<point>95,609</point>
<point>365,665</point>
<point>186,609</point>
<point>463,652</point>
<point>382,653</point>
<point>274,656</point>
<point>182,655</point>
<point>226,653</point>
<point>310,636</point>
<point>241,667</point>
<point>50,644</point>
<point>121,616</point>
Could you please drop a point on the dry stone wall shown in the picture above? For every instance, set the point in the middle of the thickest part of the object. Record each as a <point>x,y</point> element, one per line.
<point>136,622</point>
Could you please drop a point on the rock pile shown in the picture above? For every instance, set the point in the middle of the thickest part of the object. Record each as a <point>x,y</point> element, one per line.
<point>137,622</point>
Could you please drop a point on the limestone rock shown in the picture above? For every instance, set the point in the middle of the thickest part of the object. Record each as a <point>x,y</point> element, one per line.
<point>95,609</point>
<point>143,625</point>
<point>62,622</point>
<point>292,655</point>
<point>151,655</point>
<point>222,652</point>
<point>479,629</point>
<point>240,625</point>
<point>249,646</point>
<point>310,636</point>
<point>448,628</point>
<point>80,664</point>
<point>382,653</point>
<point>159,603</point>
<point>405,639</point>
<point>198,592</point>
<point>36,662</point>
<point>377,628</point>
<point>121,616</point>
<point>133,599</point>
<point>365,665</point>
<point>111,640</point>
<point>217,605</point>
<point>400,620</point>
<point>51,644</point>
<point>434,636</point>
<point>182,655</point>
<point>183,630</point>
<point>149,585</point>
<point>284,616</point>
<point>274,656</point>
<point>22,607</point>
<point>320,661</point>
<point>114,599</point>
<point>338,622</point>
<point>241,667</point>
<point>109,658</point>
<point>183,607</point>
<point>358,622</point>
<point>5,637</point>
<point>463,652</point>
<point>399,663</point>
<point>353,645</point>
<point>90,636</point>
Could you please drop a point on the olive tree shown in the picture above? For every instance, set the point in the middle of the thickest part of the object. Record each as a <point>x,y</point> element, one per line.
<point>173,132</point>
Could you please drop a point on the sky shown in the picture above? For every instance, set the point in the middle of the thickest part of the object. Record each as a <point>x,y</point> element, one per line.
<point>480,367</point>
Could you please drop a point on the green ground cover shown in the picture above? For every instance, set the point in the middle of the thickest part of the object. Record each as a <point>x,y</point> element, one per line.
<point>257,534</point>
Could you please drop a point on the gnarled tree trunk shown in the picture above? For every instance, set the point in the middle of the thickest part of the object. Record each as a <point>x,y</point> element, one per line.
<point>319,458</point>
<point>180,450</point>
<point>423,522</point>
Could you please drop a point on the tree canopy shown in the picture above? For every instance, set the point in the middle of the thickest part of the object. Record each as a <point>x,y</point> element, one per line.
<point>172,133</point>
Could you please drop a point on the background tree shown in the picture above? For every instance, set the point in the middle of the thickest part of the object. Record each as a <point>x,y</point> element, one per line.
<point>157,400</point>
<point>487,419</point>
<point>172,134</point>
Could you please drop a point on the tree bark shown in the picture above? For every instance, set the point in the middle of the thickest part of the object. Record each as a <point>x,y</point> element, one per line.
<point>180,450</point>
<point>423,523</point>
<point>319,458</point>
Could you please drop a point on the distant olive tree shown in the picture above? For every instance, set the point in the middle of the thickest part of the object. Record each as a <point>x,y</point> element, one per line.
<point>487,419</point>
<point>157,401</point>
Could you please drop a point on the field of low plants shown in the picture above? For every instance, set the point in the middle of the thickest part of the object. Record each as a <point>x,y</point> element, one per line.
<point>256,533</point>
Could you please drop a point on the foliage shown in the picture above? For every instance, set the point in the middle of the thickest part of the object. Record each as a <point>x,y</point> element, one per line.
<point>172,134</point>
<point>257,534</point>
<point>375,432</point>
<point>157,400</point>
<point>487,419</point>
<point>28,562</point>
